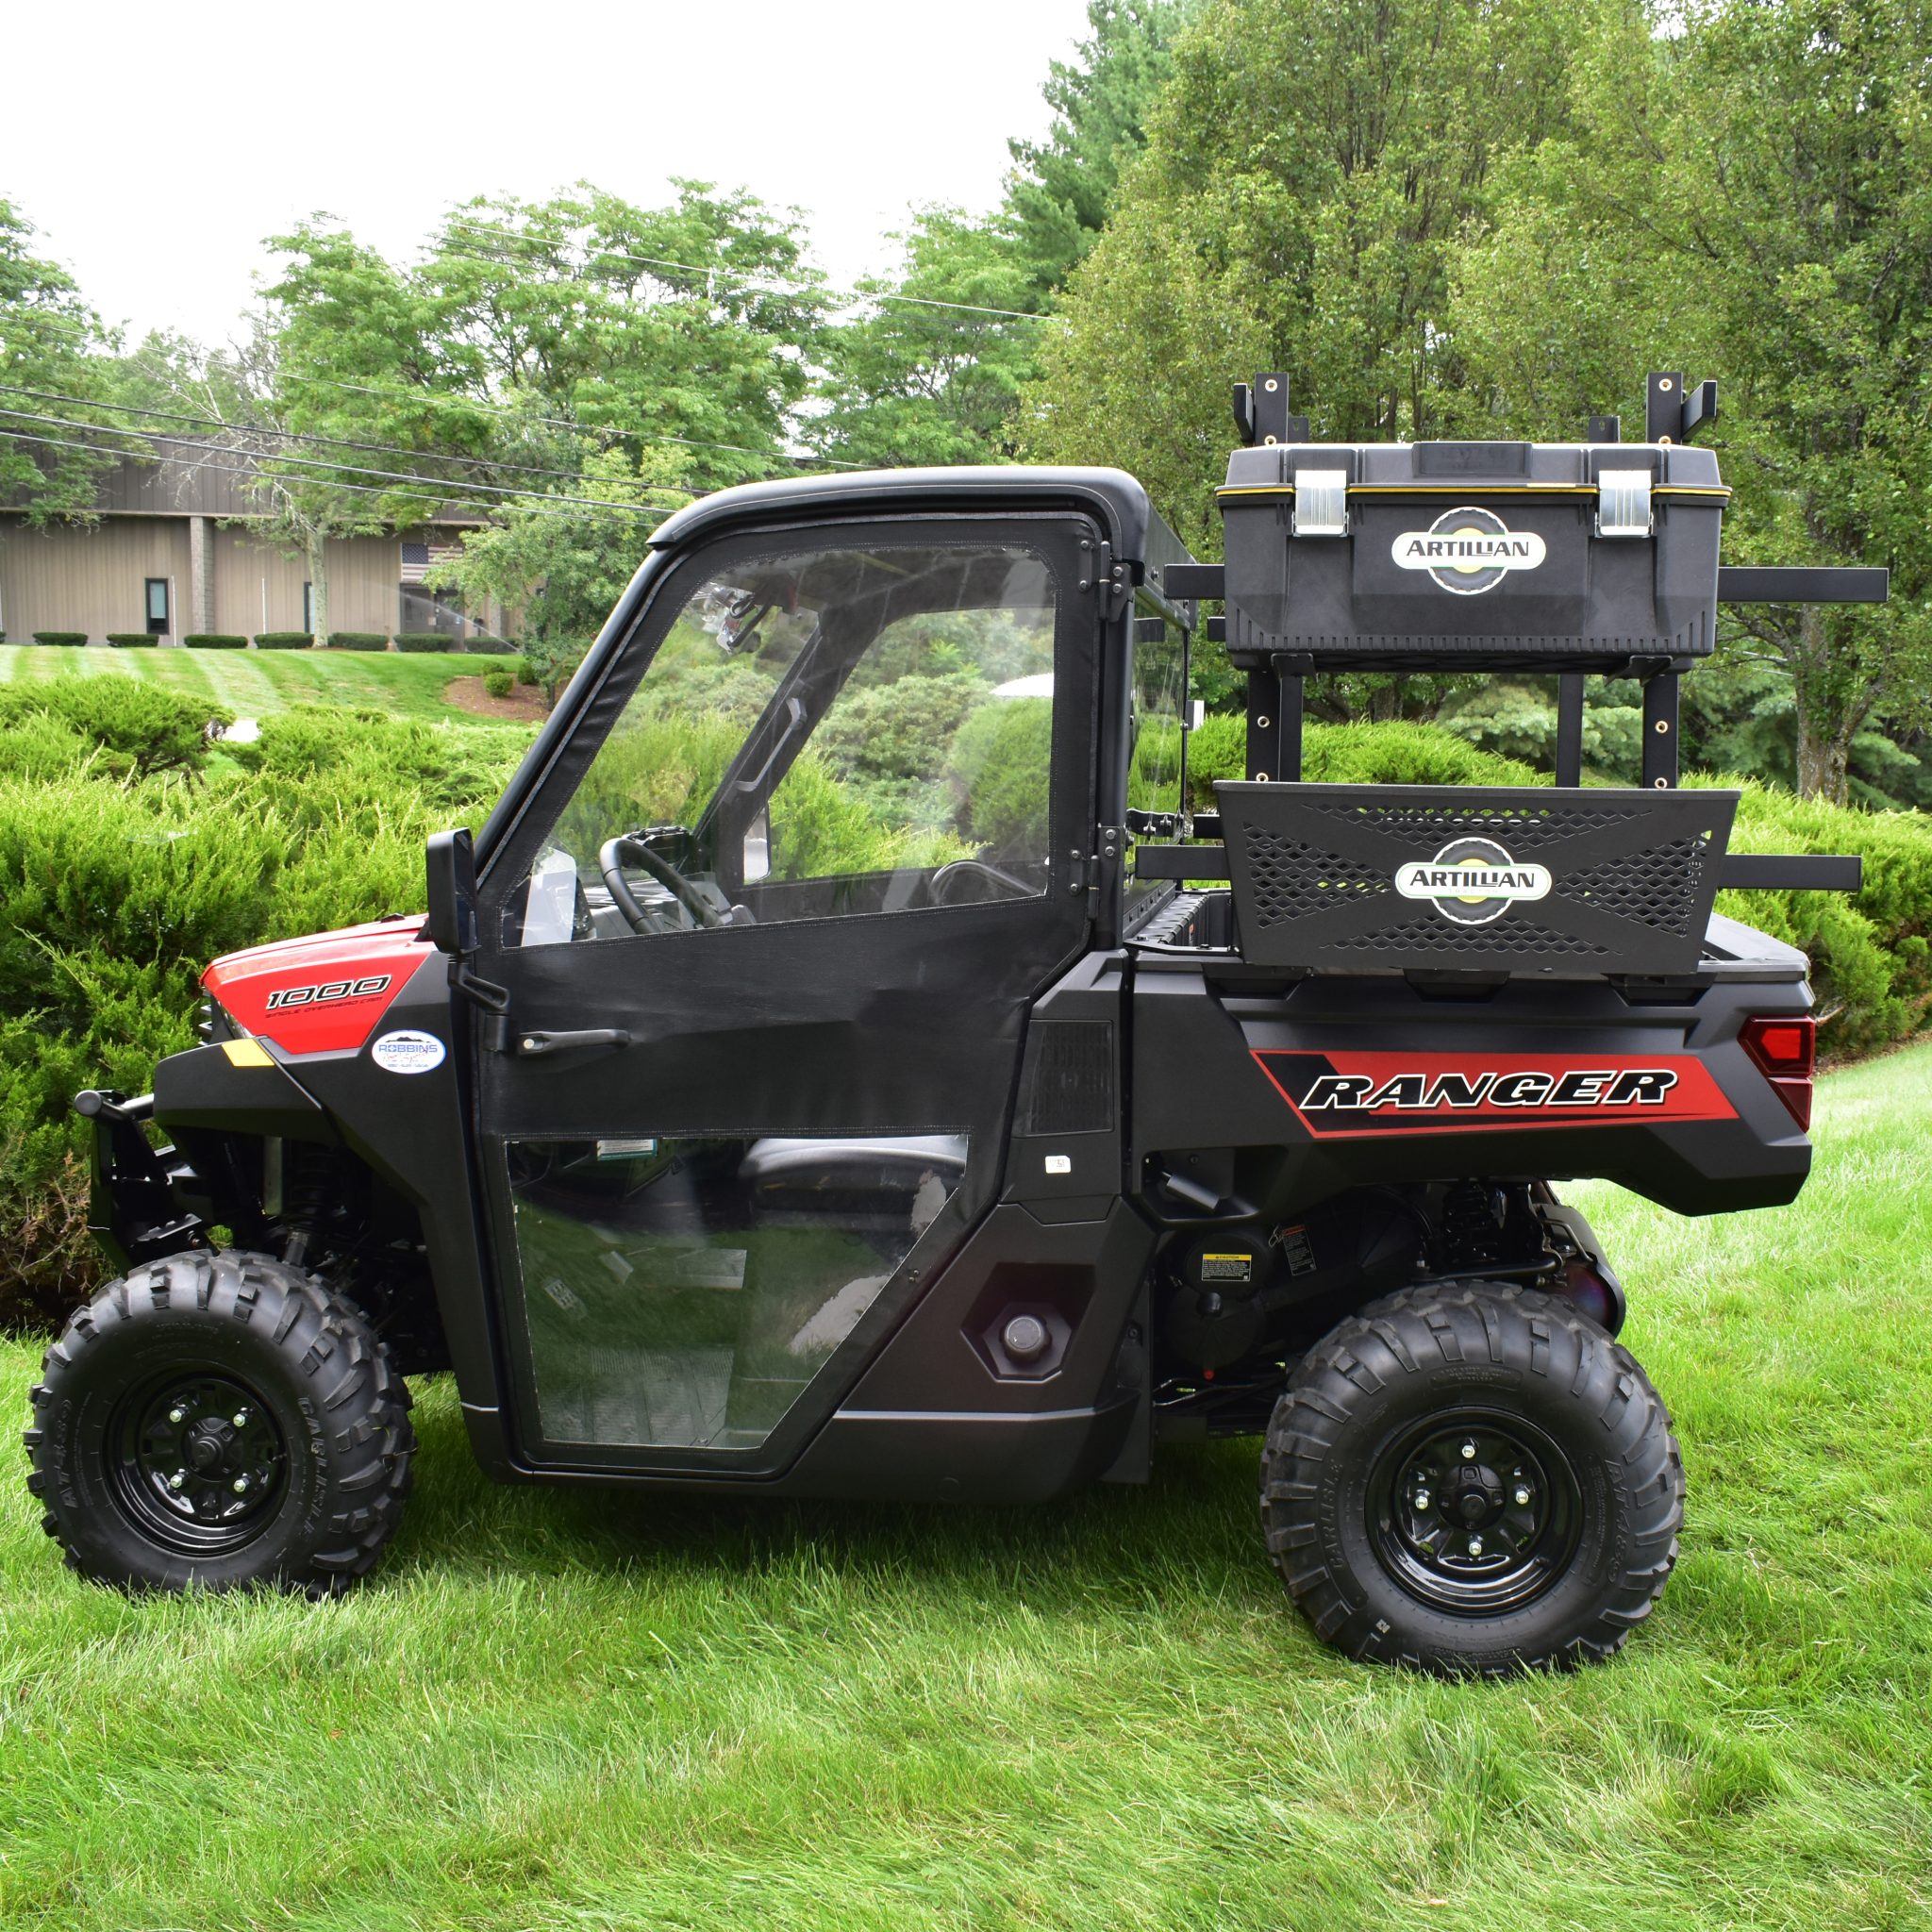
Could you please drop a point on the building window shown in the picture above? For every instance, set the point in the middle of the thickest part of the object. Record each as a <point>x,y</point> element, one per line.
<point>309,606</point>
<point>157,606</point>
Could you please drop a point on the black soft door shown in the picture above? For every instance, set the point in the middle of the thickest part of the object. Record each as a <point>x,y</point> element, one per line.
<point>810,852</point>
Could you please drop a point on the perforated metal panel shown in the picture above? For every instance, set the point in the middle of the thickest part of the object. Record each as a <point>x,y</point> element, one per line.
<point>1575,883</point>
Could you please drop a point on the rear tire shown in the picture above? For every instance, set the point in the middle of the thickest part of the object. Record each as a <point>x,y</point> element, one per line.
<point>219,1420</point>
<point>1471,1480</point>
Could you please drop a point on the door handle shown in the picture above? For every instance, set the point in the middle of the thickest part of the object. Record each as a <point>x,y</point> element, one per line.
<point>528,1046</point>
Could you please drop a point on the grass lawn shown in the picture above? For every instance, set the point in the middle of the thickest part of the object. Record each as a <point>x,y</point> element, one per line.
<point>594,1710</point>
<point>253,683</point>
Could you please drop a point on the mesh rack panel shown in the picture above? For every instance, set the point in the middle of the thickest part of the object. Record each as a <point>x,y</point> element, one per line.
<point>1399,877</point>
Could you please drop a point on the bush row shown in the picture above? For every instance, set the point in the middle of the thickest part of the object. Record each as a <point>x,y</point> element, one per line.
<point>128,861</point>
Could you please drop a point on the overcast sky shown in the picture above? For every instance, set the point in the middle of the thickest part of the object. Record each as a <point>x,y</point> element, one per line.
<point>154,147</point>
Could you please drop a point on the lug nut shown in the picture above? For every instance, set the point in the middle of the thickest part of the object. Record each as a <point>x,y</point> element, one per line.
<point>1476,1546</point>
<point>239,1486</point>
<point>179,1479</point>
<point>240,1419</point>
<point>1469,1452</point>
<point>178,1414</point>
<point>1522,1496</point>
<point>1422,1499</point>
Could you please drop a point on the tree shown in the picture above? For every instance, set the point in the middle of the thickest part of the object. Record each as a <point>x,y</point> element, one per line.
<point>1310,167</point>
<point>932,373</point>
<point>1751,198</point>
<point>51,342</point>
<point>1061,190</point>
<point>547,360</point>
<point>931,366</point>
<point>562,571</point>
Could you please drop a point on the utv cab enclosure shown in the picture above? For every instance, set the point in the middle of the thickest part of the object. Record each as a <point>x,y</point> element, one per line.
<point>846,1064</point>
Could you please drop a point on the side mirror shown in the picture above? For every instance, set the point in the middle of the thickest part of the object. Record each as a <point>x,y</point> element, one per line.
<point>452,859</point>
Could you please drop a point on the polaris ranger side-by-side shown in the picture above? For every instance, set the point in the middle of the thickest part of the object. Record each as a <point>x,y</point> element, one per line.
<point>844,1065</point>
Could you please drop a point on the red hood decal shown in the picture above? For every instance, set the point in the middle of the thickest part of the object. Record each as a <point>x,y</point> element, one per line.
<point>323,993</point>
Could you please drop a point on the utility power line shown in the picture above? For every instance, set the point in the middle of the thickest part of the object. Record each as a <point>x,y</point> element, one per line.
<point>435,485</point>
<point>650,514</point>
<point>754,284</point>
<point>443,400</point>
<point>565,423</point>
<point>385,449</point>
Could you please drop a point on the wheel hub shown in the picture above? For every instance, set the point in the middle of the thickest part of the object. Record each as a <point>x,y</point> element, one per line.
<point>1474,1514</point>
<point>1475,1498</point>
<point>200,1464</point>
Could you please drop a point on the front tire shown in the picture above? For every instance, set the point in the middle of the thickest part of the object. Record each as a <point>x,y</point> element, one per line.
<point>219,1420</point>
<point>1471,1480</point>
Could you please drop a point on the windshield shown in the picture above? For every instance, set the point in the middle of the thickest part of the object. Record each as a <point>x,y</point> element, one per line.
<point>821,733</point>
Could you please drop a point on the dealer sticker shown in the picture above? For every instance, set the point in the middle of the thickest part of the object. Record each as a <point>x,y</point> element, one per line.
<point>407,1053</point>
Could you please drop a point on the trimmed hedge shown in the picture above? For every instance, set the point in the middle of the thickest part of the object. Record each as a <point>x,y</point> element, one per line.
<point>482,647</point>
<point>131,640</point>
<point>425,641</point>
<point>215,640</point>
<point>116,891</point>
<point>357,641</point>
<point>283,640</point>
<point>59,637</point>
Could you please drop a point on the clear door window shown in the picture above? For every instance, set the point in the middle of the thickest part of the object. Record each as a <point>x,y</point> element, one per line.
<point>157,606</point>
<point>820,734</point>
<point>682,1293</point>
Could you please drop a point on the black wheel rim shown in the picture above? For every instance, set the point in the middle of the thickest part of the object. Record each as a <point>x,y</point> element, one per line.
<point>199,1463</point>
<point>1474,1512</point>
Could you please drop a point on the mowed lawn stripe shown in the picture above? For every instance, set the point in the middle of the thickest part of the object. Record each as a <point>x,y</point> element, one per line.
<point>254,683</point>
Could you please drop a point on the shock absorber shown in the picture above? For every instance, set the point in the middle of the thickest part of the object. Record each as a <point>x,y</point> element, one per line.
<point>305,1189</point>
<point>1473,1215</point>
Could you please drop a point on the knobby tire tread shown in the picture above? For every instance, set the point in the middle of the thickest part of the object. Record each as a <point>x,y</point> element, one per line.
<point>1407,1335</point>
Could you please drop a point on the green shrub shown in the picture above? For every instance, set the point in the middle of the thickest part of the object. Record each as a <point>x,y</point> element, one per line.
<point>498,683</point>
<point>527,671</point>
<point>999,763</point>
<point>357,641</point>
<point>59,637</point>
<point>39,746</point>
<point>138,731</point>
<point>283,640</point>
<point>425,641</point>
<point>489,647</point>
<point>114,896</point>
<point>553,661</point>
<point>214,641</point>
<point>131,640</point>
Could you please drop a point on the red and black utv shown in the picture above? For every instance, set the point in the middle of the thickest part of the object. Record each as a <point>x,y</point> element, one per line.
<point>844,1066</point>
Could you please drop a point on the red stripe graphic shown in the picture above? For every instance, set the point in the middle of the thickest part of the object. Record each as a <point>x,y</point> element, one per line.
<point>1342,1094</point>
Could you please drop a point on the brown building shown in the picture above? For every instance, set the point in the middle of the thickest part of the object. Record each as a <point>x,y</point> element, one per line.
<point>176,551</point>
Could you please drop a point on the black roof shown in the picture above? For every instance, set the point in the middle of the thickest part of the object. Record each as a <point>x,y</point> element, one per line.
<point>1113,495</point>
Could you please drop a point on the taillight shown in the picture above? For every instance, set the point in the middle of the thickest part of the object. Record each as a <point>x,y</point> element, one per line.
<point>1785,1051</point>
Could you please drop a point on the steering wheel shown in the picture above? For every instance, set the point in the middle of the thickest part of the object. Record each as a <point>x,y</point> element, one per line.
<point>628,848</point>
<point>942,878</point>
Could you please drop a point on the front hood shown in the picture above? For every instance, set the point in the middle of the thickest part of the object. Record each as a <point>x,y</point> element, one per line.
<point>322,993</point>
